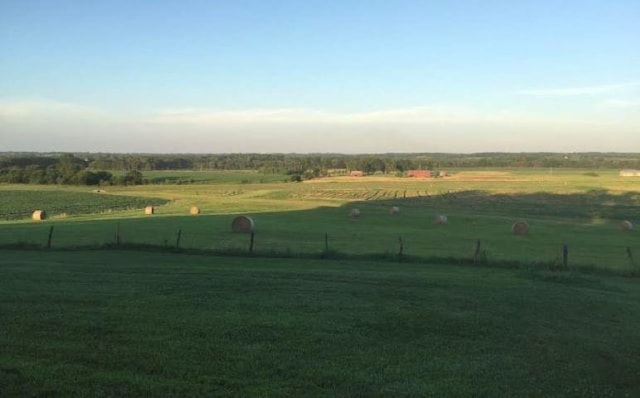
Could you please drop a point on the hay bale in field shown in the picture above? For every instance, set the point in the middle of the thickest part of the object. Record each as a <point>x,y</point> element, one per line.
<point>441,219</point>
<point>394,210</point>
<point>149,210</point>
<point>194,210</point>
<point>626,226</point>
<point>39,215</point>
<point>354,213</point>
<point>520,228</point>
<point>243,224</point>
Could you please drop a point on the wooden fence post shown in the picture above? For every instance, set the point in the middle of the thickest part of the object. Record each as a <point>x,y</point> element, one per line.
<point>50,237</point>
<point>565,255</point>
<point>326,242</point>
<point>251,243</point>
<point>400,247</point>
<point>178,238</point>
<point>118,234</point>
<point>476,254</point>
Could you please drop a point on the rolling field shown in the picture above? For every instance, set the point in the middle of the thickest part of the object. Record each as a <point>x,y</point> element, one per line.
<point>574,207</point>
<point>113,323</point>
<point>78,322</point>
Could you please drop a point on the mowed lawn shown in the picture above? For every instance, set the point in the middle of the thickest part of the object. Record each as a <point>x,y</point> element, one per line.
<point>115,323</point>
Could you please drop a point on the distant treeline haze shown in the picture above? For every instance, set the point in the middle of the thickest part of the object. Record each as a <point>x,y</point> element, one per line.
<point>91,169</point>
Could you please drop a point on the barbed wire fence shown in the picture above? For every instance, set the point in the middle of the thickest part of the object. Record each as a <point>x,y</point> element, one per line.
<point>397,246</point>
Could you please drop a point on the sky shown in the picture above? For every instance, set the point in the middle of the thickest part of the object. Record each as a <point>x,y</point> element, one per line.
<point>319,76</point>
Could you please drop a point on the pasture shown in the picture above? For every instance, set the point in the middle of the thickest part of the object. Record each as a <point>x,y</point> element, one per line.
<point>114,323</point>
<point>574,207</point>
<point>81,320</point>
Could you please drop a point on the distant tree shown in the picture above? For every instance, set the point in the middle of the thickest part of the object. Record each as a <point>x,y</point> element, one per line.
<point>68,166</point>
<point>133,177</point>
<point>85,177</point>
<point>104,177</point>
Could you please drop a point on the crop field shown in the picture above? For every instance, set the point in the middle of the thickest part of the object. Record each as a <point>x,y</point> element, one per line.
<point>119,323</point>
<point>19,204</point>
<point>573,207</point>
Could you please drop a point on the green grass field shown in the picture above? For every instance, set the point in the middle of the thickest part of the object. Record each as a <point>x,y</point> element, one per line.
<point>114,323</point>
<point>575,207</point>
<point>78,322</point>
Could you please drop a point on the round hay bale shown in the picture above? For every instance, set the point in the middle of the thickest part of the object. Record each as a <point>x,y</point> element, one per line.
<point>149,210</point>
<point>520,228</point>
<point>243,224</point>
<point>394,210</point>
<point>39,215</point>
<point>354,213</point>
<point>626,226</point>
<point>441,219</point>
<point>194,210</point>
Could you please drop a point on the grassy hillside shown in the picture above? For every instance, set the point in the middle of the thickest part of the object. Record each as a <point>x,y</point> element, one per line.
<point>120,323</point>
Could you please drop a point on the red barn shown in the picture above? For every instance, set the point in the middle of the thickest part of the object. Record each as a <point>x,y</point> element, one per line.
<point>419,173</point>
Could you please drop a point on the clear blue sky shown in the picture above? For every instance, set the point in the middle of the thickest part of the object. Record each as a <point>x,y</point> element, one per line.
<point>318,76</point>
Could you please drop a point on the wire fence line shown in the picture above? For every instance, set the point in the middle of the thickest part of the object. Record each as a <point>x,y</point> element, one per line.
<point>336,243</point>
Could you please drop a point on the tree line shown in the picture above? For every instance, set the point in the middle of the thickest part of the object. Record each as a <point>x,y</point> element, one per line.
<point>94,169</point>
<point>64,169</point>
<point>369,163</point>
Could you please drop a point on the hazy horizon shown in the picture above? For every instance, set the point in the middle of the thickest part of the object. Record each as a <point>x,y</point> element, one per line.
<point>319,153</point>
<point>314,77</point>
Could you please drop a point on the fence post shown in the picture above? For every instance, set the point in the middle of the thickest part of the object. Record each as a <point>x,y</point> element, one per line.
<point>476,254</point>
<point>118,234</point>
<point>50,237</point>
<point>565,255</point>
<point>326,242</point>
<point>630,256</point>
<point>400,247</point>
<point>178,238</point>
<point>251,243</point>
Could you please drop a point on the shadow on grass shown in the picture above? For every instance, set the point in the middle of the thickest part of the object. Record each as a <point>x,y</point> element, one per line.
<point>334,255</point>
<point>593,204</point>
